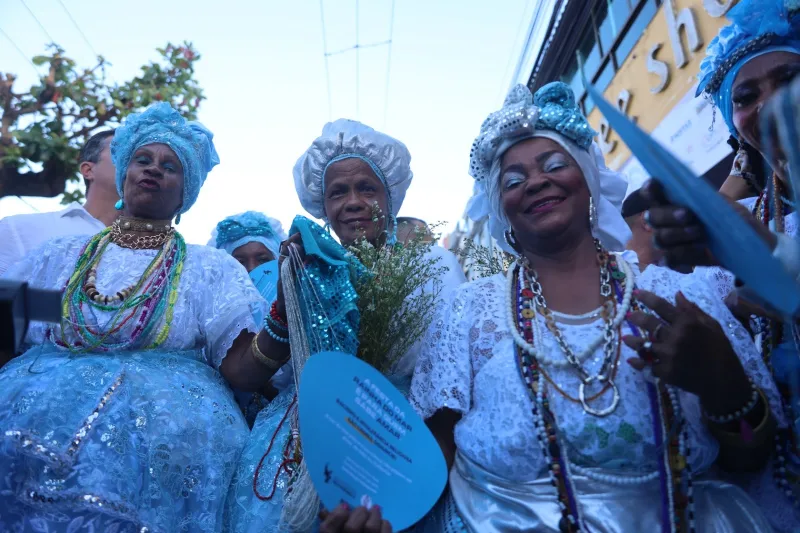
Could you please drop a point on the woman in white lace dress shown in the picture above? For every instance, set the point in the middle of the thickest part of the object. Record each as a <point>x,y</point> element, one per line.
<point>561,403</point>
<point>120,419</point>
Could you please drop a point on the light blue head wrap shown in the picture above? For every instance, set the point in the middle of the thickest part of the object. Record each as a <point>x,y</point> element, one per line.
<point>161,124</point>
<point>551,113</point>
<point>251,226</point>
<point>757,27</point>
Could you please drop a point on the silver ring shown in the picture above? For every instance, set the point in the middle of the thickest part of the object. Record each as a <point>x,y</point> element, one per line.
<point>656,331</point>
<point>647,346</point>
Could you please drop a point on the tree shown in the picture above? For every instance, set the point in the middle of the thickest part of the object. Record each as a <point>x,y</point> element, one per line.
<point>42,130</point>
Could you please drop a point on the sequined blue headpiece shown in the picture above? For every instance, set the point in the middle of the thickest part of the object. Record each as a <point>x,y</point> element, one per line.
<point>757,27</point>
<point>161,124</point>
<point>553,108</point>
<point>238,230</point>
<point>552,113</point>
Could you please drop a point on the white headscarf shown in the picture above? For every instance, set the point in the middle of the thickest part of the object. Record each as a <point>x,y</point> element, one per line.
<point>551,114</point>
<point>343,139</point>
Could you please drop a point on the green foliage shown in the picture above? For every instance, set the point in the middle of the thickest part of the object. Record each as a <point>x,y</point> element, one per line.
<point>45,127</point>
<point>395,304</point>
<point>483,261</point>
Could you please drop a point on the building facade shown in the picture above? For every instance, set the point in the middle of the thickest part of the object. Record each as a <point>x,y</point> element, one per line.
<point>644,55</point>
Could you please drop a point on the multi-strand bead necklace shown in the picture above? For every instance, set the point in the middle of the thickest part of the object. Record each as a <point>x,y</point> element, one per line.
<point>772,333</point>
<point>670,432</point>
<point>147,303</point>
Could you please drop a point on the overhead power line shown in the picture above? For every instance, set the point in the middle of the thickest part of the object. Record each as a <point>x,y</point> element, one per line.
<point>19,50</point>
<point>77,27</point>
<point>358,67</point>
<point>44,30</point>
<point>325,52</point>
<point>388,67</point>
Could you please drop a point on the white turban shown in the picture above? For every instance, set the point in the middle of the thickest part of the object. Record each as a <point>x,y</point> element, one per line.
<point>344,139</point>
<point>552,114</point>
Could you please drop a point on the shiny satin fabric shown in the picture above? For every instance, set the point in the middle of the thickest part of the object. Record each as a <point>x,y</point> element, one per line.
<point>489,504</point>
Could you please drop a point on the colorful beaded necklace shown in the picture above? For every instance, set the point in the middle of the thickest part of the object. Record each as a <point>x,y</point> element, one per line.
<point>670,431</point>
<point>772,333</point>
<point>149,302</point>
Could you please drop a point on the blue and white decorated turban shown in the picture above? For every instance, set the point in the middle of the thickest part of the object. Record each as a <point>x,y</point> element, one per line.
<point>244,228</point>
<point>757,27</point>
<point>551,113</point>
<point>346,139</point>
<point>161,124</point>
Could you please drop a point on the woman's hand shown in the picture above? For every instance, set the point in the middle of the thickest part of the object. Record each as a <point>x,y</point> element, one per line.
<point>680,234</point>
<point>688,349</point>
<point>359,520</point>
<point>295,243</point>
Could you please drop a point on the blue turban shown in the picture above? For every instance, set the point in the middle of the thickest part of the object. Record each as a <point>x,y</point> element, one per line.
<point>238,230</point>
<point>161,124</point>
<point>757,27</point>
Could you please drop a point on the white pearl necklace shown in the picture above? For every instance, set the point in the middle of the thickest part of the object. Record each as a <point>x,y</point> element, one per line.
<point>560,362</point>
<point>612,479</point>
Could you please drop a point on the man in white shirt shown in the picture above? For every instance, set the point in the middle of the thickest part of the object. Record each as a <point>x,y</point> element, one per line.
<point>21,234</point>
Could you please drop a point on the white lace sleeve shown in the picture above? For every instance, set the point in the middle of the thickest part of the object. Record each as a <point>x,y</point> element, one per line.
<point>443,375</point>
<point>226,303</point>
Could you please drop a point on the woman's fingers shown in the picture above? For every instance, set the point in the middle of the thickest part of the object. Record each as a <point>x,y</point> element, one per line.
<point>659,305</point>
<point>357,521</point>
<point>335,520</point>
<point>375,520</point>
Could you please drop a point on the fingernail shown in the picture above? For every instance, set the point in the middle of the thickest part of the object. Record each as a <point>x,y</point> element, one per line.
<point>636,292</point>
<point>344,506</point>
<point>630,361</point>
<point>628,315</point>
<point>681,214</point>
<point>377,507</point>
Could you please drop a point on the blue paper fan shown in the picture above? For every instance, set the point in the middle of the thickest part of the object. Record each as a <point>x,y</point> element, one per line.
<point>731,239</point>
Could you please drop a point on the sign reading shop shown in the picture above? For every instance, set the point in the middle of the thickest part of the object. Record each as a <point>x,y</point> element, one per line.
<point>676,20</point>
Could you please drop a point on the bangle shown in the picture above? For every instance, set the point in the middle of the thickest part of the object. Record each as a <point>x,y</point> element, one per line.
<point>274,315</point>
<point>740,413</point>
<point>747,437</point>
<point>274,335</point>
<point>270,363</point>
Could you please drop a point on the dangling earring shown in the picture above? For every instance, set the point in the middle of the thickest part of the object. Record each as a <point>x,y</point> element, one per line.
<point>592,213</point>
<point>119,205</point>
<point>741,166</point>
<point>327,227</point>
<point>393,235</point>
<point>510,239</point>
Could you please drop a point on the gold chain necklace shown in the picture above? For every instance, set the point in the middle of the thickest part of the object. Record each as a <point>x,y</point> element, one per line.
<point>126,232</point>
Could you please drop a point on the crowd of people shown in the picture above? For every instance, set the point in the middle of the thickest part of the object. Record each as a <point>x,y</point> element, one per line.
<point>610,379</point>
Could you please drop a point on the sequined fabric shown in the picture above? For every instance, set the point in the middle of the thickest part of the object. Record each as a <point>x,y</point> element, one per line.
<point>125,441</point>
<point>161,124</point>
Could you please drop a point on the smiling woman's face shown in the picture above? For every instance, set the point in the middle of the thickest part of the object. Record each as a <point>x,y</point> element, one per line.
<point>353,196</point>
<point>543,192</point>
<point>154,183</point>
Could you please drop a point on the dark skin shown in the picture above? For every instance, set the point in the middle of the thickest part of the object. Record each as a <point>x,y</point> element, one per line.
<point>353,196</point>
<point>153,190</point>
<point>252,255</point>
<point>545,197</point>
<point>756,82</point>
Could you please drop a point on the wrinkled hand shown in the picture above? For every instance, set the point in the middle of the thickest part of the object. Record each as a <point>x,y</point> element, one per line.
<point>688,349</point>
<point>359,520</point>
<point>680,234</point>
<point>295,243</point>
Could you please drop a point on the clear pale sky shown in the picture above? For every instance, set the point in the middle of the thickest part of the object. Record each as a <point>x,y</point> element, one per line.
<point>263,73</point>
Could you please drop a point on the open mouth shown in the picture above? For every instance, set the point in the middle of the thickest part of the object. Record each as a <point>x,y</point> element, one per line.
<point>544,204</point>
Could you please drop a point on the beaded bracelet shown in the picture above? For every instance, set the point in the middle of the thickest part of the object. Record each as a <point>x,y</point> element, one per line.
<point>277,325</point>
<point>740,413</point>
<point>270,363</point>
<point>274,335</point>
<point>273,313</point>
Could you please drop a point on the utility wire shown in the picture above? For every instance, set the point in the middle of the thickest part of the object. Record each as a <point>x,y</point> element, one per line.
<point>358,68</point>
<point>75,23</point>
<point>21,199</point>
<point>325,52</point>
<point>44,30</point>
<point>388,67</point>
<point>351,48</point>
<point>19,50</point>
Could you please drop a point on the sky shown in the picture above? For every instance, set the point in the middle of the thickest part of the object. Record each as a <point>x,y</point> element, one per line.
<point>264,75</point>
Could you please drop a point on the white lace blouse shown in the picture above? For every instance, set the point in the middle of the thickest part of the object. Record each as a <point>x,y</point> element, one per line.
<point>468,365</point>
<point>216,298</point>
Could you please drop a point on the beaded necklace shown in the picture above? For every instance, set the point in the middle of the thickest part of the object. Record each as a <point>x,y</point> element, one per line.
<point>148,302</point>
<point>772,332</point>
<point>674,473</point>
